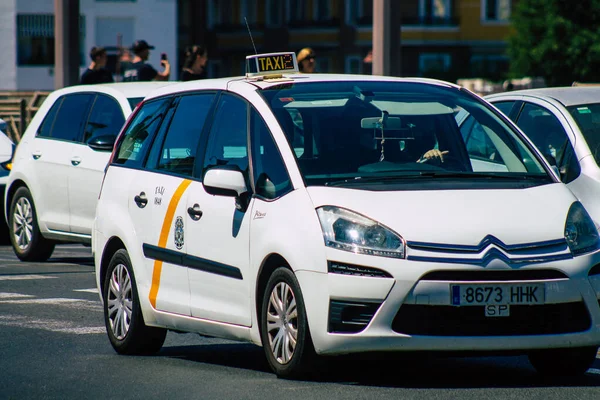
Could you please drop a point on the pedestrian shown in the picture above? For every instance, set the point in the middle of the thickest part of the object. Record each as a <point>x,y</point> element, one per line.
<point>140,70</point>
<point>194,64</point>
<point>97,72</point>
<point>306,60</point>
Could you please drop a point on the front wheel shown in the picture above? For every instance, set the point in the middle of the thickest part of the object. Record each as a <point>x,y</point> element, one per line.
<point>563,362</point>
<point>25,236</point>
<point>284,327</point>
<point>123,317</point>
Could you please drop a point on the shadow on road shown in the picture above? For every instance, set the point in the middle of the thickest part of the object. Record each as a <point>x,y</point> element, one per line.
<point>393,370</point>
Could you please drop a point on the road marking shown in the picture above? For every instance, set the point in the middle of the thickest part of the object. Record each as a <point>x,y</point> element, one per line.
<point>24,277</point>
<point>69,303</point>
<point>51,325</point>
<point>593,371</point>
<point>4,295</point>
<point>93,290</point>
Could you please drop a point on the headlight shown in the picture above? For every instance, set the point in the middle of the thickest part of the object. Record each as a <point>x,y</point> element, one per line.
<point>580,230</point>
<point>347,230</point>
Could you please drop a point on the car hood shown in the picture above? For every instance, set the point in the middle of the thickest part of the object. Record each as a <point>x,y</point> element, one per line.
<point>461,217</point>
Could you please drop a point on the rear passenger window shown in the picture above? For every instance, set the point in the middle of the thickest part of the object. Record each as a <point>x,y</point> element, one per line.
<point>181,142</point>
<point>106,118</point>
<point>45,129</point>
<point>136,140</point>
<point>71,117</point>
<point>228,140</point>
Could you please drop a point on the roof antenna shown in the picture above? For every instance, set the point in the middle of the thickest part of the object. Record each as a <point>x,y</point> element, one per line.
<point>250,33</point>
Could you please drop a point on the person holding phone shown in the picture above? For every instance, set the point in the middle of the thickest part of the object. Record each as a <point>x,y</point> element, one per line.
<point>141,70</point>
<point>195,62</point>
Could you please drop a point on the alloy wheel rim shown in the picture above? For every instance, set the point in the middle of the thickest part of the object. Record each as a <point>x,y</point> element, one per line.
<point>23,223</point>
<point>120,301</point>
<point>282,322</point>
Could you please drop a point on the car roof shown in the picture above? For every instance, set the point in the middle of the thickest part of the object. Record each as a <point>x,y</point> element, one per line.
<point>568,96</point>
<point>222,83</point>
<point>126,89</point>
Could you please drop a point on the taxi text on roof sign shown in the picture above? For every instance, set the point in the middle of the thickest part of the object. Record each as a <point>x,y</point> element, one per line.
<point>271,64</point>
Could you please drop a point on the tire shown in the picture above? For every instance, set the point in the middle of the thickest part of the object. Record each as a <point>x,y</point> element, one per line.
<point>563,362</point>
<point>288,360</point>
<point>25,237</point>
<point>123,317</point>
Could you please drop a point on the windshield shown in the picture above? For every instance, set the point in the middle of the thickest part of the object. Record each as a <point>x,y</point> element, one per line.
<point>376,130</point>
<point>587,117</point>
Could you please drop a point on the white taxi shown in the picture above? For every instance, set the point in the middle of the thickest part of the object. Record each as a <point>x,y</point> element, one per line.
<point>331,214</point>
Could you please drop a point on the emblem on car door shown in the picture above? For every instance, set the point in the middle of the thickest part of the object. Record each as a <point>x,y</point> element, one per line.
<point>179,233</point>
<point>259,215</point>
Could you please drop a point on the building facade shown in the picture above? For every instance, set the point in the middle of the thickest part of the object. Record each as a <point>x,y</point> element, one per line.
<point>27,31</point>
<point>446,39</point>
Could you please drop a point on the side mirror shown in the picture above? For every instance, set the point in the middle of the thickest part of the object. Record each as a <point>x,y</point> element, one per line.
<point>225,181</point>
<point>102,142</point>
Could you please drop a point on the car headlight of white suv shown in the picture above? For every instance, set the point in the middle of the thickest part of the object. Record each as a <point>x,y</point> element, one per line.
<point>580,231</point>
<point>347,230</point>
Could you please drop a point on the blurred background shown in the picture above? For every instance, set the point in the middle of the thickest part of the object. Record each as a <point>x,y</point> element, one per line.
<point>485,45</point>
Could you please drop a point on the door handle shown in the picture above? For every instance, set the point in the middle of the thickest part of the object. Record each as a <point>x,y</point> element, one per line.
<point>195,212</point>
<point>75,160</point>
<point>36,154</point>
<point>141,200</point>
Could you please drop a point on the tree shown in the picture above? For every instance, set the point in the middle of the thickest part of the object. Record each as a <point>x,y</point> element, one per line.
<point>558,40</point>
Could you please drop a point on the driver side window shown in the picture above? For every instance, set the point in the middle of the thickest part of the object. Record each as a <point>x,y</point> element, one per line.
<point>228,139</point>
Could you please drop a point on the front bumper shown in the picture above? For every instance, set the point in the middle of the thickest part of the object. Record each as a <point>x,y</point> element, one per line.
<point>411,308</point>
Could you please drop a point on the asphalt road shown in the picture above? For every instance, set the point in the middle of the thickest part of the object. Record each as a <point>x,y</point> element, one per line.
<point>53,345</point>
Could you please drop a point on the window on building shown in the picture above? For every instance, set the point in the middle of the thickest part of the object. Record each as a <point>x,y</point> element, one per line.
<point>274,12</point>
<point>296,10</point>
<point>359,12</point>
<point>35,39</point>
<point>353,65</point>
<point>433,63</point>
<point>434,12</point>
<point>213,69</point>
<point>322,10</point>
<point>489,66</point>
<point>248,11</point>
<point>495,10</point>
<point>323,64</point>
<point>219,13</point>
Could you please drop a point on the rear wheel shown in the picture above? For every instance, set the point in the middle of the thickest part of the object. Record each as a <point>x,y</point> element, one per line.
<point>123,317</point>
<point>25,237</point>
<point>563,362</point>
<point>284,327</point>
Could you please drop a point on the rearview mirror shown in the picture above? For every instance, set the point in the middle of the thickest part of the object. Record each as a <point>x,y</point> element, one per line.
<point>375,123</point>
<point>102,142</point>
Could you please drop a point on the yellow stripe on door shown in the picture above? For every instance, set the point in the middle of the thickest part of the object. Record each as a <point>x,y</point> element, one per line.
<point>164,236</point>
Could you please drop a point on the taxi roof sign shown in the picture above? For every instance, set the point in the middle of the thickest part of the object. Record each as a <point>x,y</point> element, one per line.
<point>273,64</point>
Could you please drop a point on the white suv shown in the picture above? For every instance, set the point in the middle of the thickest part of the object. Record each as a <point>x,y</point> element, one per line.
<point>57,170</point>
<point>330,214</point>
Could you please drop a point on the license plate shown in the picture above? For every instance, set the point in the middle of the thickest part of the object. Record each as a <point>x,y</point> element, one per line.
<point>494,294</point>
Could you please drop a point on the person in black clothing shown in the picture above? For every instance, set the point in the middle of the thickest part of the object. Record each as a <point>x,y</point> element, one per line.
<point>140,70</point>
<point>96,72</point>
<point>195,61</point>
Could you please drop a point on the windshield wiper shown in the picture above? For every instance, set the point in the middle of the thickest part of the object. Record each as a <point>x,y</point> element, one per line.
<point>435,174</point>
